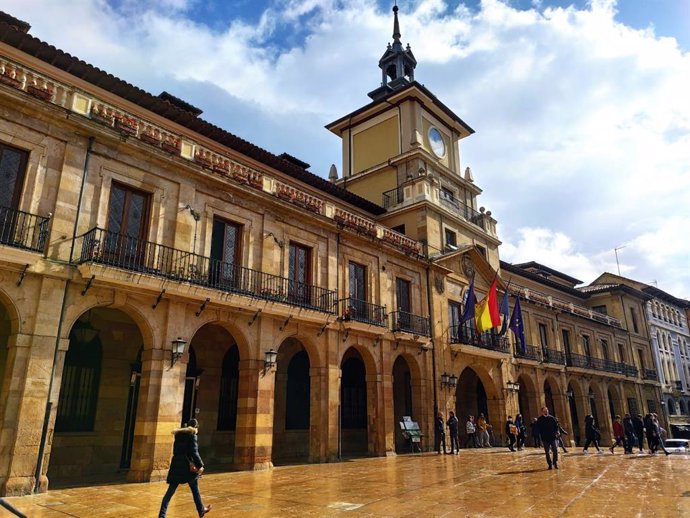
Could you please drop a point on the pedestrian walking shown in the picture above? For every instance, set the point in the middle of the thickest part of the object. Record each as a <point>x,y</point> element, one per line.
<point>638,425</point>
<point>535,433</point>
<point>521,431</point>
<point>452,425</point>
<point>511,433</point>
<point>559,436</point>
<point>649,432</point>
<point>658,435</point>
<point>592,434</point>
<point>547,426</point>
<point>471,429</point>
<point>618,433</point>
<point>629,430</point>
<point>186,467</point>
<point>440,434</point>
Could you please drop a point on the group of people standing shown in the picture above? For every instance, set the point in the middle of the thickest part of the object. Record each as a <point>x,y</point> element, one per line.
<point>478,432</point>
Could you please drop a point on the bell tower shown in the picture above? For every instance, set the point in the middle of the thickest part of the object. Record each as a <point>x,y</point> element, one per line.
<point>401,151</point>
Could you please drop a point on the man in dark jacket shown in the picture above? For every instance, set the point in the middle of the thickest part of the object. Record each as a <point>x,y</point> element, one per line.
<point>185,456</point>
<point>638,425</point>
<point>629,429</point>
<point>548,430</point>
<point>440,433</point>
<point>452,424</point>
<point>649,432</point>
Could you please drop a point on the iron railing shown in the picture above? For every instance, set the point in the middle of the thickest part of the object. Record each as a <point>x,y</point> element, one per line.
<point>363,311</point>
<point>553,356</point>
<point>23,230</point>
<point>410,323</point>
<point>530,353</point>
<point>463,210</point>
<point>578,360</point>
<point>631,370</point>
<point>650,374</point>
<point>465,333</point>
<point>393,197</point>
<point>614,367</point>
<point>129,253</point>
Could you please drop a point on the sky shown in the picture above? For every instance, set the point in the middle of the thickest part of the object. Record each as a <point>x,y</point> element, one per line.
<point>581,108</point>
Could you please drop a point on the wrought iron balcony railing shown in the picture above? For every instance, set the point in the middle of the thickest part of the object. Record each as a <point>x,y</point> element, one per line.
<point>393,197</point>
<point>650,374</point>
<point>578,360</point>
<point>554,356</point>
<point>23,230</point>
<point>363,311</point>
<point>631,370</point>
<point>614,367</point>
<point>128,253</point>
<point>409,323</point>
<point>466,334</point>
<point>468,213</point>
<point>530,353</point>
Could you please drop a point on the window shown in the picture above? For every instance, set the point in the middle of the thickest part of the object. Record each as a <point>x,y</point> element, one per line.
<point>600,309</point>
<point>454,314</point>
<point>402,295</point>
<point>229,383</point>
<point>451,240</point>
<point>12,168</point>
<point>632,406</point>
<point>128,214</point>
<point>447,194</point>
<point>353,395</point>
<point>358,307</point>
<point>481,250</point>
<point>299,273</point>
<point>585,345</point>
<point>76,410</point>
<point>621,352</point>
<point>399,228</point>
<point>640,355</point>
<point>605,350</point>
<point>225,254</point>
<point>543,336</point>
<point>633,317</point>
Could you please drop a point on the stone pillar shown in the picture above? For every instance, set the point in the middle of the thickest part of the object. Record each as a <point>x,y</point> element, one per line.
<point>375,426</point>
<point>387,411</point>
<point>323,416</point>
<point>159,412</point>
<point>254,439</point>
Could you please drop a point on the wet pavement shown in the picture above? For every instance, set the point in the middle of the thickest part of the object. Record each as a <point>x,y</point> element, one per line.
<point>476,483</point>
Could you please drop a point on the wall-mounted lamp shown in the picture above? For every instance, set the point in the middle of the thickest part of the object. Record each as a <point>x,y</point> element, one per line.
<point>84,331</point>
<point>449,381</point>
<point>513,386</point>
<point>177,350</point>
<point>570,394</point>
<point>270,359</point>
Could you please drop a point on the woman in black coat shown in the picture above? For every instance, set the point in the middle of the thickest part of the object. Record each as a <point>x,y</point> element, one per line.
<point>592,434</point>
<point>185,453</point>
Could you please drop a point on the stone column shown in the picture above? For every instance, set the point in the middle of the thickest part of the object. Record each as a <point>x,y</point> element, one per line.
<point>323,422</point>
<point>254,434</point>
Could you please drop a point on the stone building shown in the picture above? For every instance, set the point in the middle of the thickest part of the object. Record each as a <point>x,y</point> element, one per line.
<point>154,267</point>
<point>666,318</point>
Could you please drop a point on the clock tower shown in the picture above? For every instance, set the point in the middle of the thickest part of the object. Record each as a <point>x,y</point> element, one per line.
<point>401,151</point>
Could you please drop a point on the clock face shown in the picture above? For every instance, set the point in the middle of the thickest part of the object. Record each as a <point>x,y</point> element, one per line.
<point>438,146</point>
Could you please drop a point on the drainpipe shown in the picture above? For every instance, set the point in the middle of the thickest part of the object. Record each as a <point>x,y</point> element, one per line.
<point>49,403</point>
<point>81,195</point>
<point>337,308</point>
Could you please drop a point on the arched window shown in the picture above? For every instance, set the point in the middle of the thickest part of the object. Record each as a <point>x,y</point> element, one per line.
<point>297,397</point>
<point>671,407</point>
<point>353,394</point>
<point>76,410</point>
<point>229,385</point>
<point>682,409</point>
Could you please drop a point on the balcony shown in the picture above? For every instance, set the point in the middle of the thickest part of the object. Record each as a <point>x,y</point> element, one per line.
<point>650,374</point>
<point>599,364</point>
<point>530,353</point>
<point>362,311</point>
<point>631,370</point>
<point>409,323</point>
<point>468,213</point>
<point>23,230</point>
<point>393,197</point>
<point>465,334</point>
<point>554,356</point>
<point>578,360</point>
<point>614,367</point>
<point>119,251</point>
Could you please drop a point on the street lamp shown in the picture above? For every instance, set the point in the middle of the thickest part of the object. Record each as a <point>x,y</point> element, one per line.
<point>177,350</point>
<point>270,359</point>
<point>513,386</point>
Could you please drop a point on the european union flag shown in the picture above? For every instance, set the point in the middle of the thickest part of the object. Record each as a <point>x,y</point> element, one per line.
<point>468,312</point>
<point>517,327</point>
<point>505,313</point>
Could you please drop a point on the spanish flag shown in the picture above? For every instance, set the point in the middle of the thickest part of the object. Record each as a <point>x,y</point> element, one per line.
<point>486,312</point>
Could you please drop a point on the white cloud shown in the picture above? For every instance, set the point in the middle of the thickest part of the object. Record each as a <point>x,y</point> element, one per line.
<point>583,124</point>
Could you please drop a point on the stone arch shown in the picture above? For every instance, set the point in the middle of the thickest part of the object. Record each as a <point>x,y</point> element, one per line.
<point>406,398</point>
<point>528,397</point>
<point>476,394</point>
<point>104,381</point>
<point>13,316</point>
<point>241,338</point>
<point>293,403</point>
<point>554,397</point>
<point>370,361</point>
<point>576,410</point>
<point>358,402</point>
<point>599,409</point>
<point>616,405</point>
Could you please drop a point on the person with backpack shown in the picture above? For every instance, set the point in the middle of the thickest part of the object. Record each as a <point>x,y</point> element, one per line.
<point>511,433</point>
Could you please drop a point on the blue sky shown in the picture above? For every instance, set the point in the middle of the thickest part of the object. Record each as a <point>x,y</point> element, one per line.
<point>581,110</point>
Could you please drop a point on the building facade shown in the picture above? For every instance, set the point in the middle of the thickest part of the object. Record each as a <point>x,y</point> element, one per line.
<point>666,317</point>
<point>154,267</point>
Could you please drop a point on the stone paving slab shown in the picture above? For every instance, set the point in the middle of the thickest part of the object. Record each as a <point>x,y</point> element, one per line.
<point>477,483</point>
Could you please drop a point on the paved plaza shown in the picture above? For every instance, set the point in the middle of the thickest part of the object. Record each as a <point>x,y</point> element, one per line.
<point>486,483</point>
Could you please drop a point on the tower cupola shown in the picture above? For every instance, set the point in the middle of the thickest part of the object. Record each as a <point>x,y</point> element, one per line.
<point>397,64</point>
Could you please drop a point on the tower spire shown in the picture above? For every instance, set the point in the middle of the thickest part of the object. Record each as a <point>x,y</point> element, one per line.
<point>397,64</point>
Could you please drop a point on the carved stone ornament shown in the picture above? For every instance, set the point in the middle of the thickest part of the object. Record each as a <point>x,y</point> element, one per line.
<point>439,283</point>
<point>467,266</point>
